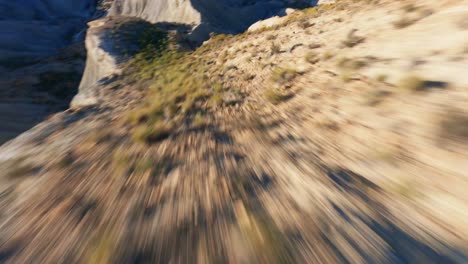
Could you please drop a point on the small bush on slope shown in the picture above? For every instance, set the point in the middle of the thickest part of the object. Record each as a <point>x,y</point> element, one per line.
<point>283,75</point>
<point>412,83</point>
<point>312,58</point>
<point>275,96</point>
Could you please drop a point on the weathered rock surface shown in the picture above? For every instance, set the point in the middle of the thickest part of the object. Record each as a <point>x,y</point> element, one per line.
<point>347,168</point>
<point>99,63</point>
<point>230,16</point>
<point>110,41</point>
<point>203,17</point>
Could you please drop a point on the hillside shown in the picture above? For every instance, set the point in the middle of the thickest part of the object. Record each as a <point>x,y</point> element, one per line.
<point>334,134</point>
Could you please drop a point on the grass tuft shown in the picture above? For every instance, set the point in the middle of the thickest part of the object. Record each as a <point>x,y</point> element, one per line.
<point>312,57</point>
<point>283,75</point>
<point>152,134</point>
<point>412,83</point>
<point>275,96</point>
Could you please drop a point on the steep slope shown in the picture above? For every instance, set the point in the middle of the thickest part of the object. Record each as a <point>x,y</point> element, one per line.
<point>289,144</point>
<point>41,59</point>
<point>195,20</point>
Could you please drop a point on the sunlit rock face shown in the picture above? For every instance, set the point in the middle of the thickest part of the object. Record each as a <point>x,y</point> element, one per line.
<point>106,50</point>
<point>30,29</point>
<point>203,17</point>
<point>227,16</point>
<point>321,2</point>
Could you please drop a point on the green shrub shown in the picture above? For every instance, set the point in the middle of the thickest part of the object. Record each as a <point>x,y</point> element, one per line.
<point>275,96</point>
<point>153,40</point>
<point>270,37</point>
<point>151,134</point>
<point>283,75</point>
<point>357,64</point>
<point>180,87</point>
<point>403,22</point>
<point>412,83</point>
<point>327,55</point>
<point>346,77</point>
<point>382,77</point>
<point>374,97</point>
<point>198,120</point>
<point>304,23</point>
<point>312,58</point>
<point>216,100</point>
<point>342,62</point>
<point>351,64</point>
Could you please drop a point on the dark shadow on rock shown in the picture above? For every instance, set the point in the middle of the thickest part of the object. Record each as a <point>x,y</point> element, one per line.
<point>406,249</point>
<point>9,249</point>
<point>234,17</point>
<point>347,179</point>
<point>435,84</point>
<point>126,37</point>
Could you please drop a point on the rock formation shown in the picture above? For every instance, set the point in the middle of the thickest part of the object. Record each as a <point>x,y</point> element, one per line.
<point>338,136</point>
<point>230,16</point>
<point>106,50</point>
<point>202,17</point>
<point>41,59</point>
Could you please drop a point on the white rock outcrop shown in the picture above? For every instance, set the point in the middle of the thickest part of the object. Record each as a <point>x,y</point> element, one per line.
<point>203,17</point>
<point>99,63</point>
<point>321,2</point>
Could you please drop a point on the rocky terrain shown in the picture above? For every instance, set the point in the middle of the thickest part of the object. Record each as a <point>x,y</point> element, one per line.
<point>221,16</point>
<point>334,134</point>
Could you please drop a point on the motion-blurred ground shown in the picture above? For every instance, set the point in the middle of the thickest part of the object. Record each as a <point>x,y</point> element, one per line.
<point>337,134</point>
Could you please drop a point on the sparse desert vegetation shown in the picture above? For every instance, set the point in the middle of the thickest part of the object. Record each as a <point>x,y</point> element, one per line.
<point>283,75</point>
<point>412,83</point>
<point>312,58</point>
<point>328,135</point>
<point>275,49</point>
<point>275,96</point>
<point>352,39</point>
